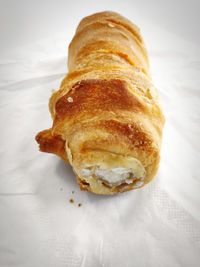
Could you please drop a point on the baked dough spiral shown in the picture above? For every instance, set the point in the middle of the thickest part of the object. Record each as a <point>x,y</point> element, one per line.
<point>107,121</point>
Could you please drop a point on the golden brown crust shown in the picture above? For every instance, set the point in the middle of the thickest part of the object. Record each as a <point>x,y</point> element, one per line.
<point>51,144</point>
<point>112,33</point>
<point>138,138</point>
<point>106,103</point>
<point>108,95</point>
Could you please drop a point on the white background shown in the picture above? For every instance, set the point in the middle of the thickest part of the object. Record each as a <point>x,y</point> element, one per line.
<point>156,226</point>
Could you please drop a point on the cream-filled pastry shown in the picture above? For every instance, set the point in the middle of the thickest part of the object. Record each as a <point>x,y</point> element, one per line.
<point>107,121</point>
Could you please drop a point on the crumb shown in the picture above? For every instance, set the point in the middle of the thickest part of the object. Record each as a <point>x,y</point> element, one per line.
<point>79,204</point>
<point>71,200</point>
<point>137,142</point>
<point>70,99</point>
<point>72,192</point>
<point>111,25</point>
<point>61,189</point>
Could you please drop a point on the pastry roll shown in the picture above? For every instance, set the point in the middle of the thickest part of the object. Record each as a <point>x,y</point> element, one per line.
<point>107,121</point>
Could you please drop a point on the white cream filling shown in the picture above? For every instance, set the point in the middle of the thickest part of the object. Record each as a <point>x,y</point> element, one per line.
<point>109,167</point>
<point>116,175</point>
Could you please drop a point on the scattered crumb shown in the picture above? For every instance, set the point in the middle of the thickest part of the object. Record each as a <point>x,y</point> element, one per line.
<point>138,184</point>
<point>72,192</point>
<point>137,142</point>
<point>70,99</point>
<point>61,189</point>
<point>71,200</point>
<point>79,204</point>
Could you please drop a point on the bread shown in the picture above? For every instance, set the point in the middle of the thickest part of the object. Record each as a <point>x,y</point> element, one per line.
<point>107,122</point>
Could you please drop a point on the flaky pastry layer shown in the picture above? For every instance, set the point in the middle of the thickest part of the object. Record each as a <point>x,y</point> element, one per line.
<point>107,121</point>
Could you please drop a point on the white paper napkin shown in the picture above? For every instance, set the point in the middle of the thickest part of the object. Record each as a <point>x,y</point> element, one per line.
<point>158,225</point>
